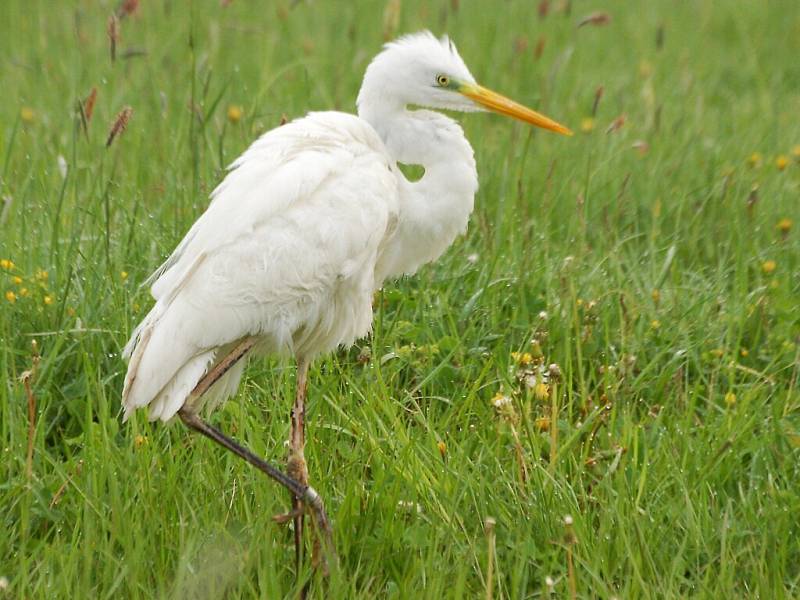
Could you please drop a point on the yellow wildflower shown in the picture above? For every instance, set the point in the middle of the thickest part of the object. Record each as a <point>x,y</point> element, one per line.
<point>23,291</point>
<point>42,275</point>
<point>768,266</point>
<point>541,391</point>
<point>782,162</point>
<point>235,113</point>
<point>16,279</point>
<point>27,114</point>
<point>730,398</point>
<point>542,423</point>
<point>754,160</point>
<point>139,441</point>
<point>784,226</point>
<point>656,295</point>
<point>11,296</point>
<point>6,264</point>
<point>587,125</point>
<point>442,447</point>
<point>744,352</point>
<point>523,358</point>
<point>123,275</point>
<point>48,300</point>
<point>655,324</point>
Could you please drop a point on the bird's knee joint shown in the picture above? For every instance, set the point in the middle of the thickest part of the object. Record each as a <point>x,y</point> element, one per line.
<point>312,498</point>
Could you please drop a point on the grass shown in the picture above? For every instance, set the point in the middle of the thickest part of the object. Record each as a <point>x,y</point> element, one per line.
<point>656,264</point>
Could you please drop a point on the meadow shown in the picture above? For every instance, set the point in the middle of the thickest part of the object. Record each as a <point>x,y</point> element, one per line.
<point>593,394</point>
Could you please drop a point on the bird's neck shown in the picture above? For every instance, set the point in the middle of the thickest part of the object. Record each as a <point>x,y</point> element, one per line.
<point>435,209</point>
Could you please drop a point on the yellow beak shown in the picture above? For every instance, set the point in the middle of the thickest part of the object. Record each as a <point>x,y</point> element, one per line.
<point>506,106</point>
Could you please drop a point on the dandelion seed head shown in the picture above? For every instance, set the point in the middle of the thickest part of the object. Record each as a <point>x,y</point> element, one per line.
<point>500,400</point>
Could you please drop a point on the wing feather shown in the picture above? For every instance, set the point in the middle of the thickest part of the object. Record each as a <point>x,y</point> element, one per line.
<point>286,250</point>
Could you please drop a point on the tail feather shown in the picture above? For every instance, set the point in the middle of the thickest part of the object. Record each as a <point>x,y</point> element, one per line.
<point>172,397</point>
<point>164,368</point>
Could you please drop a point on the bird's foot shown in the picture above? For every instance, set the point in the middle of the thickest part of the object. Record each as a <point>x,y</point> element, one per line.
<point>322,544</point>
<point>284,518</point>
<point>322,548</point>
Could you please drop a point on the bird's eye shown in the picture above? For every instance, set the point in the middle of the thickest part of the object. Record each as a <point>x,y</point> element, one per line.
<point>442,80</point>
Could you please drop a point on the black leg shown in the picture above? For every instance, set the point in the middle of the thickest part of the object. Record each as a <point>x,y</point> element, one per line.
<point>297,479</point>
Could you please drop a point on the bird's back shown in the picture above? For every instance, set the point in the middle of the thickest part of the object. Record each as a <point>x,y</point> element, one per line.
<point>286,252</point>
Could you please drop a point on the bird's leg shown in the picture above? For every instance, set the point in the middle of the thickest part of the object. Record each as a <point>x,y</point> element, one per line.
<point>301,491</point>
<point>296,461</point>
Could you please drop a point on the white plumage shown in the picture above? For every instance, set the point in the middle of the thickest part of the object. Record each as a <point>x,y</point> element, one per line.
<point>309,222</point>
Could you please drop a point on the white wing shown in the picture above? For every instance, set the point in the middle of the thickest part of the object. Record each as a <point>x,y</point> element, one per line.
<point>285,251</point>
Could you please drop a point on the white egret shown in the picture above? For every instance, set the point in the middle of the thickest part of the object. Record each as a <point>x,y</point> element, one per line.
<point>307,225</point>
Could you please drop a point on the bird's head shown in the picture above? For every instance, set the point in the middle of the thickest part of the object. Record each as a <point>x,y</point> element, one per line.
<point>421,70</point>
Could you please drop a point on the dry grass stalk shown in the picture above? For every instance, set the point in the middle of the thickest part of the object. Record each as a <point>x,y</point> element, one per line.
<point>26,378</point>
<point>489,524</point>
<point>60,492</point>
<point>570,540</point>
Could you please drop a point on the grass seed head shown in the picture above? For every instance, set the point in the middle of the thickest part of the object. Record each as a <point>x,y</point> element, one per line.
<point>127,8</point>
<point>112,29</point>
<point>119,125</point>
<point>88,104</point>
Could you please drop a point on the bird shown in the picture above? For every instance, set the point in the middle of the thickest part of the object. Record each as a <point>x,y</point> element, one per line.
<point>308,223</point>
